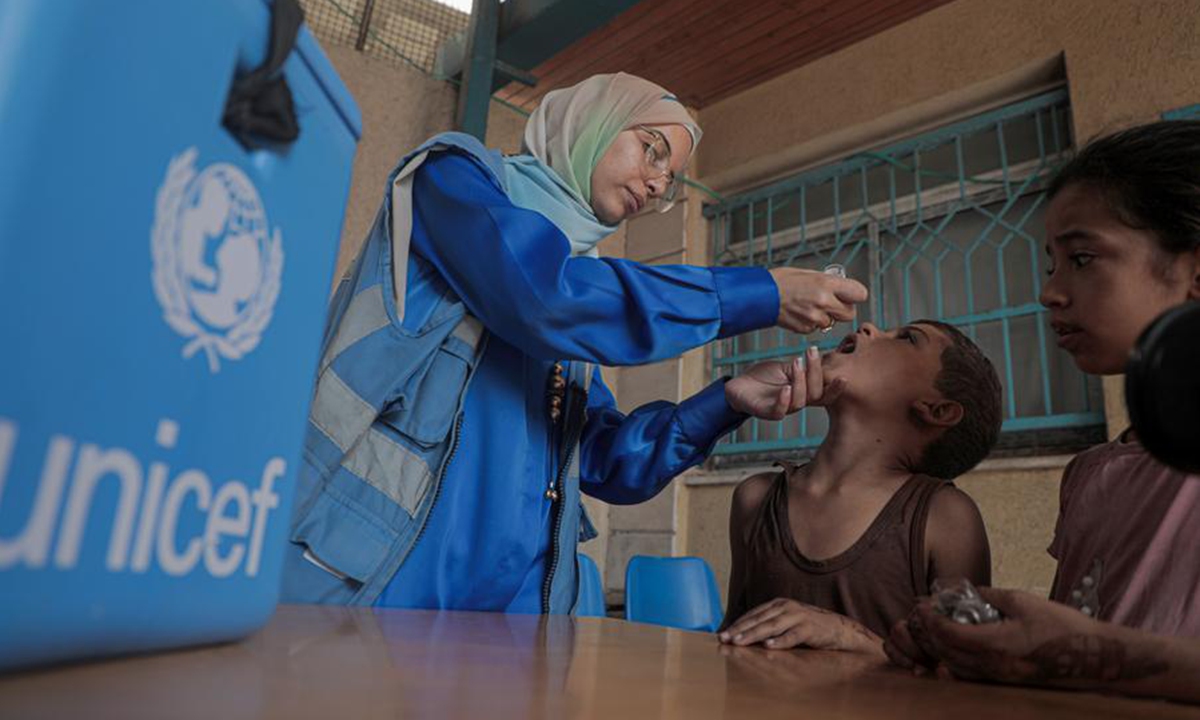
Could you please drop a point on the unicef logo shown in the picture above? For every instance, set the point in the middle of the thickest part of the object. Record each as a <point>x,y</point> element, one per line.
<point>217,265</point>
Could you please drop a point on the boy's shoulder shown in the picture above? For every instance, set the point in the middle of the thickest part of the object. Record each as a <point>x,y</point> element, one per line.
<point>952,507</point>
<point>956,542</point>
<point>752,491</point>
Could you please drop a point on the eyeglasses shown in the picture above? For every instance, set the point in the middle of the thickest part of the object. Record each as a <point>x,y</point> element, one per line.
<point>658,158</point>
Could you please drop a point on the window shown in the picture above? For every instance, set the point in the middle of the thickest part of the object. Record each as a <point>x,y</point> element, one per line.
<point>947,225</point>
<point>1191,112</point>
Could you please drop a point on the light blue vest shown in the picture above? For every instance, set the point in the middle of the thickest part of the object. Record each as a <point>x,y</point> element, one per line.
<point>385,421</point>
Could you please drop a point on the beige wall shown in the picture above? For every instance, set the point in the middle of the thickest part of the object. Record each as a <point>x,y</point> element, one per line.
<point>1124,60</point>
<point>505,128</point>
<point>401,107</point>
<point>1127,60</point>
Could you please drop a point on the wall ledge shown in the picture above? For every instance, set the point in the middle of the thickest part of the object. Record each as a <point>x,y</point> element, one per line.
<point>733,476</point>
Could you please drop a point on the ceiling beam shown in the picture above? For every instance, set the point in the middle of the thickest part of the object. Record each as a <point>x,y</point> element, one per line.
<point>533,31</point>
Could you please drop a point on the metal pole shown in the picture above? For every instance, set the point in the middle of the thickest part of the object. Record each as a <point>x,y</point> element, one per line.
<point>365,25</point>
<point>476,92</point>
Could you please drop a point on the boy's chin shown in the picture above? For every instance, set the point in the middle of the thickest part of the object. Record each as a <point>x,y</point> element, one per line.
<point>837,374</point>
<point>843,398</point>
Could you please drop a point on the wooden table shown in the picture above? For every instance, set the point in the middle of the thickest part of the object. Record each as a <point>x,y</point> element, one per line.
<point>327,662</point>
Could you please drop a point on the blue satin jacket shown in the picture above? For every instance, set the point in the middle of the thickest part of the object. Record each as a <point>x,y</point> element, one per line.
<point>450,486</point>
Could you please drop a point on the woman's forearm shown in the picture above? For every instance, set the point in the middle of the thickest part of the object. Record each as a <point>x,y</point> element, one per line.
<point>1147,665</point>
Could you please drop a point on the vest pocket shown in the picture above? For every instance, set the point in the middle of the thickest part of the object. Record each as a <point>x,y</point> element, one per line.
<point>309,556</point>
<point>309,579</point>
<point>334,551</point>
<point>425,414</point>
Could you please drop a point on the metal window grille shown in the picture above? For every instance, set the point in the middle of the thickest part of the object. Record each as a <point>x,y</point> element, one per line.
<point>407,32</point>
<point>1191,112</point>
<point>947,225</point>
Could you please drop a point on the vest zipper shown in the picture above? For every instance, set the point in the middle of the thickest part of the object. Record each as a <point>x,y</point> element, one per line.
<point>572,435</point>
<point>557,509</point>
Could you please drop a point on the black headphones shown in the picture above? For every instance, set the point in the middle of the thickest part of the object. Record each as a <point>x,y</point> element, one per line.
<point>1162,387</point>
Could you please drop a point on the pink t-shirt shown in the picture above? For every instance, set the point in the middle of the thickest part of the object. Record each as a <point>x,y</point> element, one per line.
<point>1128,540</point>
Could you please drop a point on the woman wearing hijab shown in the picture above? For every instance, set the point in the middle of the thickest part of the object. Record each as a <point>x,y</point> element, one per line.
<point>459,409</point>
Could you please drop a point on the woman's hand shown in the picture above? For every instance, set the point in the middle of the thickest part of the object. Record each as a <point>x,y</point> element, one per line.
<point>772,390</point>
<point>783,624</point>
<point>1038,642</point>
<point>810,300</point>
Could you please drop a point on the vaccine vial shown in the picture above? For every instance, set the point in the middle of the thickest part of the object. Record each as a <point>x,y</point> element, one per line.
<point>839,271</point>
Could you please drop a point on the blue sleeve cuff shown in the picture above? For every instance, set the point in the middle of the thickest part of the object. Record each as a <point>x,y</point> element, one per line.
<point>706,416</point>
<point>748,298</point>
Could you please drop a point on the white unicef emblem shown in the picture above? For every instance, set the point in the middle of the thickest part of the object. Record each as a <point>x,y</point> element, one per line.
<point>217,268</point>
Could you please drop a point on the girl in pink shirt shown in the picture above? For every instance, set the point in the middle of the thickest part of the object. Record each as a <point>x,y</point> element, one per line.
<point>1123,236</point>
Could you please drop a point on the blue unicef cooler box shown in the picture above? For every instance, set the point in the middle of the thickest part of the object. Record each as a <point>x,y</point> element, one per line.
<point>162,299</point>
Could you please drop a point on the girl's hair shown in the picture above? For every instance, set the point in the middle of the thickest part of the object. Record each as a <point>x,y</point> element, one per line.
<point>1150,177</point>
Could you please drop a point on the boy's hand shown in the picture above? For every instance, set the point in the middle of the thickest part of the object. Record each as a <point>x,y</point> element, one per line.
<point>783,624</point>
<point>810,300</point>
<point>1038,642</point>
<point>772,390</point>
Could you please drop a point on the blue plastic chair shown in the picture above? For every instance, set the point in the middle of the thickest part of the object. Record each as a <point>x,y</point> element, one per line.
<point>679,592</point>
<point>591,589</point>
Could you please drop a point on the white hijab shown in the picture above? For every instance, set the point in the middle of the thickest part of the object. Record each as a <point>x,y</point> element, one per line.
<point>573,127</point>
